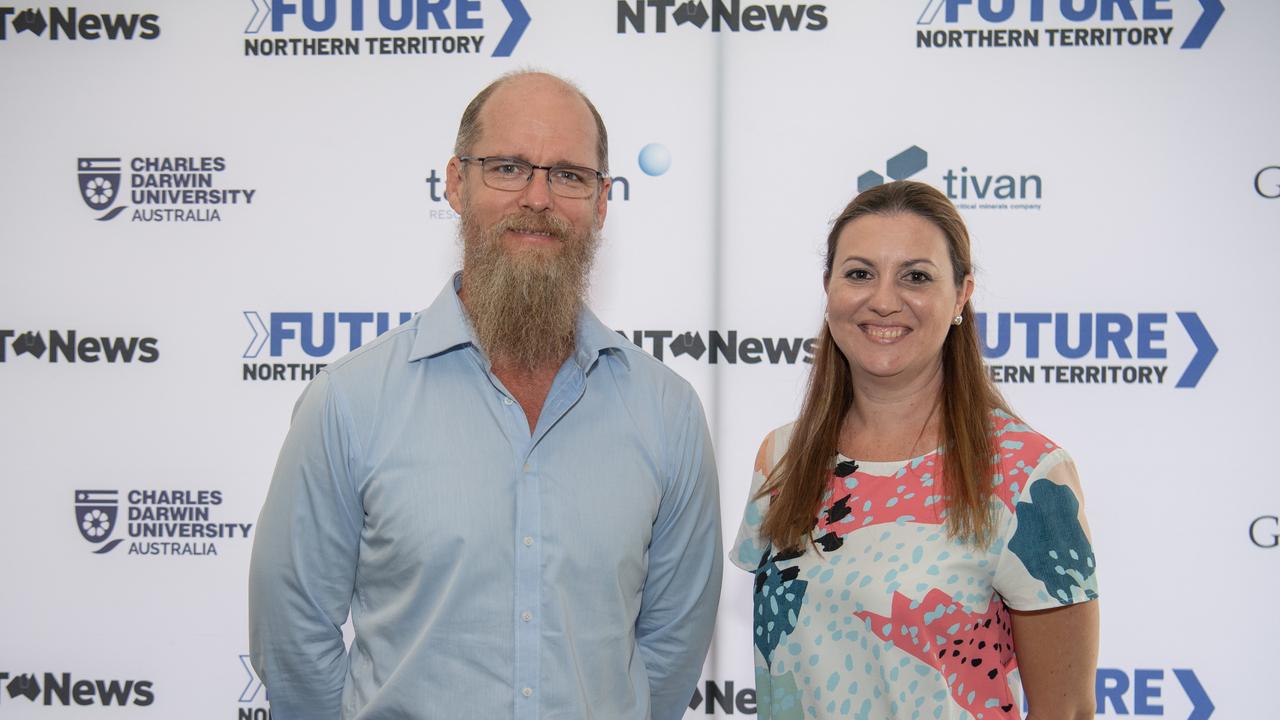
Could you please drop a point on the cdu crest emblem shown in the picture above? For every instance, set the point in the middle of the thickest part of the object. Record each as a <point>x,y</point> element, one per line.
<point>100,184</point>
<point>96,512</point>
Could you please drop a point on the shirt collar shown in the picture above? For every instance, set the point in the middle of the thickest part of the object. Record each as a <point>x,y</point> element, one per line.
<point>444,327</point>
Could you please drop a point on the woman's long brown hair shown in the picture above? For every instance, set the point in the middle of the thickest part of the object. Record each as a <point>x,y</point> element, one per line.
<point>969,456</point>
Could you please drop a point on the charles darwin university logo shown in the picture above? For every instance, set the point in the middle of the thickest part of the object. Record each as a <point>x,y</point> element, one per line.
<point>155,522</point>
<point>159,188</point>
<point>96,512</point>
<point>100,184</point>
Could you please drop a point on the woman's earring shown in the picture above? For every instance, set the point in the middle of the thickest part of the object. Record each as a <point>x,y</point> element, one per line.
<point>957,320</point>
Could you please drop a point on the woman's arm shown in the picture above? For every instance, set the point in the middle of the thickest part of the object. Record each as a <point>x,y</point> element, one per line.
<point>1057,651</point>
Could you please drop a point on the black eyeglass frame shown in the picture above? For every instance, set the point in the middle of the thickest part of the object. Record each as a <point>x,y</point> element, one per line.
<point>600,177</point>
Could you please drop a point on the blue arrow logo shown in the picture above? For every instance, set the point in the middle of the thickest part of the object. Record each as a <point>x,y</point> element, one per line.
<point>519,21</point>
<point>261,11</point>
<point>1205,350</point>
<point>1201,705</point>
<point>260,334</point>
<point>1212,10</point>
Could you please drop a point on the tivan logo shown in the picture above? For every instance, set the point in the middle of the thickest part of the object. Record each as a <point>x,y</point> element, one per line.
<point>70,347</point>
<point>1117,338</point>
<point>65,690</point>
<point>724,15</point>
<point>1082,23</point>
<point>162,189</point>
<point>1267,182</point>
<point>967,189</point>
<point>314,335</point>
<point>1141,691</point>
<point>458,27</point>
<point>653,160</point>
<point>71,24</point>
<point>727,347</point>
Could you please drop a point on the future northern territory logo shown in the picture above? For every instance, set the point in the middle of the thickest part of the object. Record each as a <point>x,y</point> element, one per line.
<point>307,338</point>
<point>1065,23</point>
<point>72,23</point>
<point>1096,348</point>
<point>283,28</point>
<point>158,189</point>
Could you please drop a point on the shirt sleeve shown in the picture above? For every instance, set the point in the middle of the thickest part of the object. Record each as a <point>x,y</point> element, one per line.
<point>1047,558</point>
<point>682,588</point>
<point>748,548</point>
<point>302,572</point>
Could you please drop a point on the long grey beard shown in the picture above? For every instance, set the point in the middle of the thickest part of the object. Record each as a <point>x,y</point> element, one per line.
<point>524,306</point>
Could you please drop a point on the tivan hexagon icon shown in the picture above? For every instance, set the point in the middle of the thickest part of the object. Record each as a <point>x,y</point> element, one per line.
<point>907,163</point>
<point>868,180</point>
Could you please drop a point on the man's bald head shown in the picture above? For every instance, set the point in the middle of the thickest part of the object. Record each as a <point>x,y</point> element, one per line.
<point>470,128</point>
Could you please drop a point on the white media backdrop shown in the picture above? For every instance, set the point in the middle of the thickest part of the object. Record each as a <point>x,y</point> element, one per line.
<point>153,337</point>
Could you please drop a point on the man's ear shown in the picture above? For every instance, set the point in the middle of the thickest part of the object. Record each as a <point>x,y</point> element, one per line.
<point>453,184</point>
<point>602,202</point>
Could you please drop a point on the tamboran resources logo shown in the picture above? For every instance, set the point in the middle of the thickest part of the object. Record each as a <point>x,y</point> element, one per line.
<point>1103,348</point>
<point>72,346</point>
<point>1066,23</point>
<point>642,16</point>
<point>66,690</point>
<point>297,342</point>
<point>653,160</point>
<point>156,522</point>
<point>158,189</point>
<point>286,28</point>
<point>73,23</point>
<point>975,189</point>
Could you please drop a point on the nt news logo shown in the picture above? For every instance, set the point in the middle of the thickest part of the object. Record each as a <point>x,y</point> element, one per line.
<point>70,23</point>
<point>71,346</point>
<point>52,689</point>
<point>641,16</point>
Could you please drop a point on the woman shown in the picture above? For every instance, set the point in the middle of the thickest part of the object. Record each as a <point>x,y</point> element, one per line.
<point>918,551</point>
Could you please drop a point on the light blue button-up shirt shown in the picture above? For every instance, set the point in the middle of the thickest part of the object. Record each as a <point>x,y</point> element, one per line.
<point>490,572</point>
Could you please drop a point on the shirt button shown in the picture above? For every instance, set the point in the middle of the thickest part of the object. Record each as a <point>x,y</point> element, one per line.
<point>526,616</point>
<point>527,692</point>
<point>528,541</point>
<point>506,401</point>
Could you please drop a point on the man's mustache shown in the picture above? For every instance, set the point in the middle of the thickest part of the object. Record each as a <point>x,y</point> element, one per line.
<point>530,222</point>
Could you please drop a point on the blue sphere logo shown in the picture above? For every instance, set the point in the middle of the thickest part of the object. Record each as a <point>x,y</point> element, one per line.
<point>655,159</point>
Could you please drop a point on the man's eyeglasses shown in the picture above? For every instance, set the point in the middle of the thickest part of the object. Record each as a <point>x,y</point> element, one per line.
<point>512,174</point>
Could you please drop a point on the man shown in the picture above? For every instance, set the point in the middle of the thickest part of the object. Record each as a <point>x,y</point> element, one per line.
<point>518,507</point>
